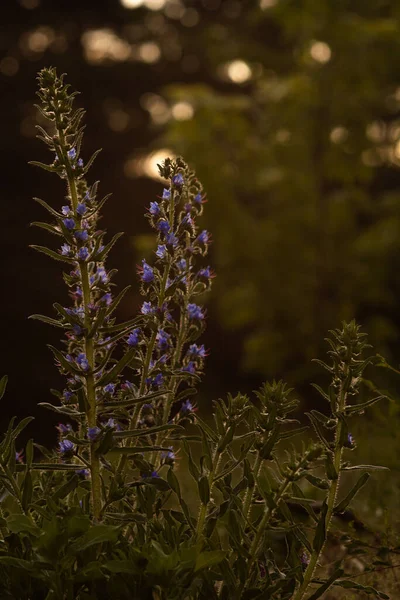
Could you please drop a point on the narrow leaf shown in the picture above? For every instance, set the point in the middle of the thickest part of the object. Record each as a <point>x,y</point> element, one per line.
<point>346,501</point>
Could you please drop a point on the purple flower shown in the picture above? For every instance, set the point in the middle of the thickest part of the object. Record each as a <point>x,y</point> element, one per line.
<point>166,195</point>
<point>112,424</point>
<point>83,253</point>
<point>146,271</point>
<point>178,179</point>
<point>195,351</point>
<point>171,239</point>
<point>154,209</point>
<point>72,153</point>
<point>163,339</point>
<point>190,367</point>
<point>203,237</point>
<point>77,329</point>
<point>109,388</point>
<point>102,274</point>
<point>106,299</point>
<point>133,338</point>
<point>80,163</point>
<point>350,440</point>
<point>19,456</point>
<point>186,408</point>
<point>147,308</point>
<point>161,251</point>
<point>81,208</point>
<point>66,446</point>
<point>65,210</point>
<point>69,224</point>
<point>64,428</point>
<point>83,472</point>
<point>93,433</point>
<point>83,235</point>
<point>169,456</point>
<point>194,312</point>
<point>67,395</point>
<point>158,380</point>
<point>305,560</point>
<point>153,474</point>
<point>65,249</point>
<point>181,264</point>
<point>198,199</point>
<point>82,361</point>
<point>163,226</point>
<point>205,273</point>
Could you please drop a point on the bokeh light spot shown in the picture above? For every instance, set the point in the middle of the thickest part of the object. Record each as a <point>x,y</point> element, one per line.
<point>238,71</point>
<point>320,52</point>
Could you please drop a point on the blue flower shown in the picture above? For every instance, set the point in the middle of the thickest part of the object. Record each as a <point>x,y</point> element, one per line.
<point>158,380</point>
<point>133,338</point>
<point>181,264</point>
<point>66,446</point>
<point>163,226</point>
<point>196,351</point>
<point>178,179</point>
<point>112,424</point>
<point>80,162</point>
<point>168,456</point>
<point>93,433</point>
<point>203,237</point>
<point>107,299</point>
<point>153,474</point>
<point>19,456</point>
<point>166,195</point>
<point>161,250</point>
<point>83,235</point>
<point>147,308</point>
<point>194,312</point>
<point>81,208</point>
<point>83,472</point>
<point>350,440</point>
<point>83,253</point>
<point>171,239</point>
<point>67,395</point>
<point>205,273</point>
<point>77,329</point>
<point>72,153</point>
<point>186,408</point>
<point>64,428</point>
<point>154,209</point>
<point>69,224</point>
<point>190,367</point>
<point>82,361</point>
<point>65,249</point>
<point>65,210</point>
<point>198,199</point>
<point>147,273</point>
<point>109,388</point>
<point>163,339</point>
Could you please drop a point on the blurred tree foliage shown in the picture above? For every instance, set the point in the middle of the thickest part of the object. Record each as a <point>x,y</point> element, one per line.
<point>297,155</point>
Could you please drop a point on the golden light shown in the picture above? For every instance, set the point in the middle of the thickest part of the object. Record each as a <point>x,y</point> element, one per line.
<point>149,52</point>
<point>182,111</point>
<point>190,18</point>
<point>320,52</point>
<point>396,151</point>
<point>131,3</point>
<point>102,44</point>
<point>376,131</point>
<point>155,4</point>
<point>157,107</point>
<point>339,135</point>
<point>118,120</point>
<point>264,4</point>
<point>146,165</point>
<point>238,71</point>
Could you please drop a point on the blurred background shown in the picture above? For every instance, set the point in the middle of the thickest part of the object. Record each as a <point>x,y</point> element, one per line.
<point>289,111</point>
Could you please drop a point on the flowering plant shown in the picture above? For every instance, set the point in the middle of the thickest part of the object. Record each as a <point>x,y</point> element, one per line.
<point>104,515</point>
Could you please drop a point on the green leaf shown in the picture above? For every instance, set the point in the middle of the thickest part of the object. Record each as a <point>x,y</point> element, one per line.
<point>173,482</point>
<point>50,228</point>
<point>346,501</point>
<point>338,573</point>
<point>209,559</point>
<point>125,325</point>
<point>121,566</point>
<point>67,366</point>
<point>18,523</point>
<point>110,406</point>
<point>52,254</point>
<point>100,256</point>
<point>318,430</point>
<point>320,532</point>
<point>136,449</point>
<point>204,489</point>
<point>116,370</point>
<point>321,391</point>
<point>27,490</point>
<point>3,385</point>
<point>355,408</point>
<point>367,589</point>
<point>48,207</point>
<point>97,534</point>
<point>49,168</point>
<point>21,426</point>
<point>19,563</point>
<point>47,320</point>
<point>143,432</point>
<point>62,410</point>
<point>66,488</point>
<point>365,468</point>
<point>54,467</point>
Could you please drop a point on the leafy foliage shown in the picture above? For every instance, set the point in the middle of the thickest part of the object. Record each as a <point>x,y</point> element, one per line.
<point>105,515</point>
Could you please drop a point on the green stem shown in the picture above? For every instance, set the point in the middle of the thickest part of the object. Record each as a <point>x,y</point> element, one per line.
<point>204,507</point>
<point>91,412</point>
<point>250,490</point>
<point>331,501</point>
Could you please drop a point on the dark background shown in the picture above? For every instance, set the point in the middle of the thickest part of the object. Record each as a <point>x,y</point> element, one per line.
<point>295,134</point>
